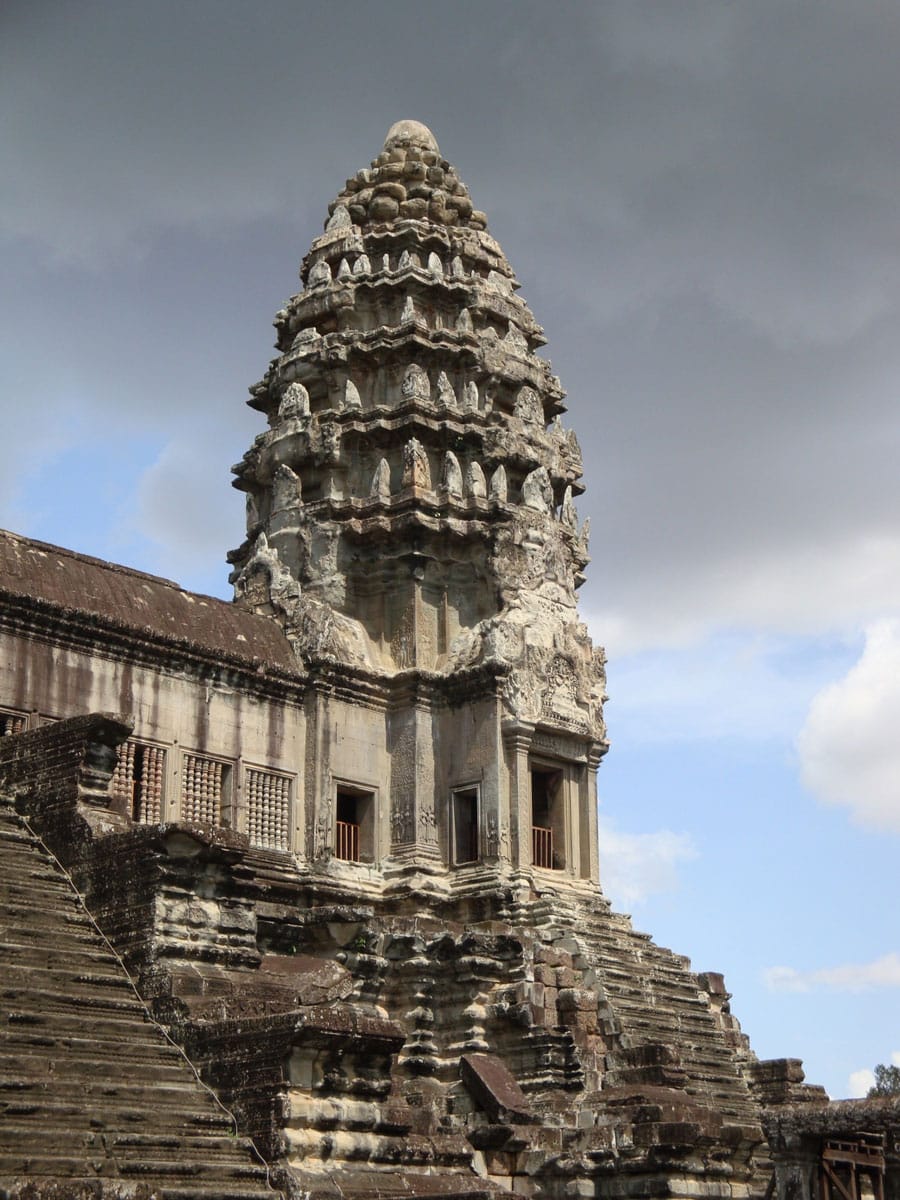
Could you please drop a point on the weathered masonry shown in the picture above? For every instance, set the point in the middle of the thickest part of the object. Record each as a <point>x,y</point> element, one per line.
<point>343,830</point>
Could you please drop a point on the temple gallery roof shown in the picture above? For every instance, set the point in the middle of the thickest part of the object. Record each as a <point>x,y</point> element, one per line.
<point>116,596</point>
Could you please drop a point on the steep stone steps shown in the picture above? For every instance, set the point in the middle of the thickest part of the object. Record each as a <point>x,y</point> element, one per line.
<point>654,997</point>
<point>91,1092</point>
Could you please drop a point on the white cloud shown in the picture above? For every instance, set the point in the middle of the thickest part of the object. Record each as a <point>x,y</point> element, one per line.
<point>860,1082</point>
<point>863,1079</point>
<point>883,972</point>
<point>849,749</point>
<point>635,866</point>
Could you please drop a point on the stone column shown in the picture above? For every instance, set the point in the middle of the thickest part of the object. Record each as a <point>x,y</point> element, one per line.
<point>517,739</point>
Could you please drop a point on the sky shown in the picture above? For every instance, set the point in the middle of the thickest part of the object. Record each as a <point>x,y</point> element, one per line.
<point>700,200</point>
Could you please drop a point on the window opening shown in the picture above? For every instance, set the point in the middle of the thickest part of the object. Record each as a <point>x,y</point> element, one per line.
<point>205,789</point>
<point>464,826</point>
<point>12,722</point>
<point>137,781</point>
<point>268,809</point>
<point>546,817</point>
<point>354,834</point>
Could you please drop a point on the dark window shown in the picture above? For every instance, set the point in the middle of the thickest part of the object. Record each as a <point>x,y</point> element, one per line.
<point>464,826</point>
<point>546,818</point>
<point>354,833</point>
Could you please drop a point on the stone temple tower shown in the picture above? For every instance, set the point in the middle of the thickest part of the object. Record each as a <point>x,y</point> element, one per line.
<point>411,524</point>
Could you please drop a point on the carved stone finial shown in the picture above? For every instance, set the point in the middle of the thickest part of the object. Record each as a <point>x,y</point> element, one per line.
<point>457,270</point>
<point>415,384</point>
<point>339,219</point>
<point>516,339</point>
<point>567,513</point>
<point>476,485</point>
<point>351,395</point>
<point>536,490</point>
<point>294,402</point>
<point>287,491</point>
<point>343,271</point>
<point>412,132</point>
<point>464,321</point>
<point>435,266</point>
<point>381,481</point>
<point>416,470</point>
<point>319,273</point>
<point>362,266</point>
<point>499,486</point>
<point>470,396</point>
<point>445,393</point>
<point>452,480</point>
<point>409,310</point>
<point>405,261</point>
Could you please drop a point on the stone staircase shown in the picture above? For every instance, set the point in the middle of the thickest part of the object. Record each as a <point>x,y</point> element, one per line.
<point>93,1098</point>
<point>652,999</point>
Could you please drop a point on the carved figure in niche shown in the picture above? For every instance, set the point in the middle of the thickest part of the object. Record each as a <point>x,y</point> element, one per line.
<point>470,396</point>
<point>319,273</point>
<point>339,219</point>
<point>499,486</point>
<point>294,403</point>
<point>528,407</point>
<point>536,490</point>
<point>351,395</point>
<point>381,481</point>
<point>475,481</point>
<point>464,321</point>
<point>264,580</point>
<point>428,826</point>
<point>434,264</point>
<point>409,310</point>
<point>457,270</point>
<point>401,822</point>
<point>445,393</point>
<point>287,491</point>
<point>560,695</point>
<point>567,513</point>
<point>452,475</point>
<point>415,384</point>
<point>416,471</point>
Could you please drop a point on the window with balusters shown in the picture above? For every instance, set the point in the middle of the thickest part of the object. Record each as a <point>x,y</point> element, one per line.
<point>139,779</point>
<point>205,789</point>
<point>268,799</point>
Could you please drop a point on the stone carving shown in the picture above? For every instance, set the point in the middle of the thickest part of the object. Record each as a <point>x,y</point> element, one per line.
<point>351,395</point>
<point>416,470</point>
<point>409,310</point>
<point>415,384</point>
<point>567,513</point>
<point>516,339</point>
<point>499,487</point>
<point>470,397</point>
<point>381,481</point>
<point>536,490</point>
<point>428,826</point>
<point>528,407</point>
<point>362,266</point>
<point>287,491</point>
<point>294,403</point>
<point>402,822</point>
<point>457,270</point>
<point>343,271</point>
<point>452,477</point>
<point>476,485</point>
<point>445,393</point>
<point>435,266</point>
<point>339,219</point>
<point>464,321</point>
<point>319,274</point>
